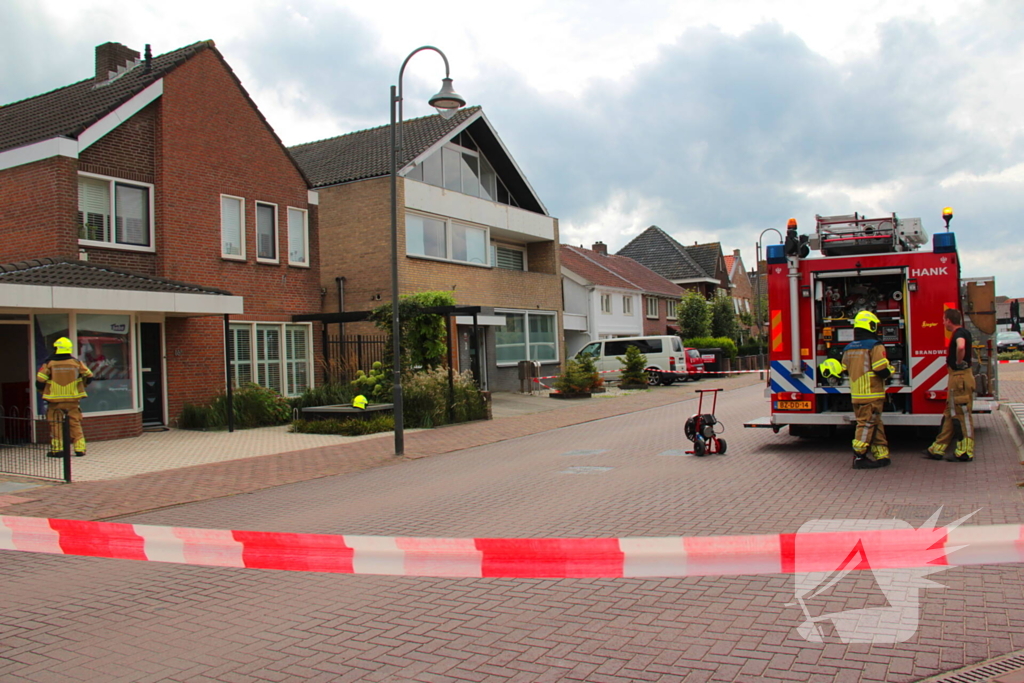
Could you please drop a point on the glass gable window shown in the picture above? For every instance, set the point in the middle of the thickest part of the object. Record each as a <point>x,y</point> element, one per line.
<point>100,198</point>
<point>459,166</point>
<point>526,336</point>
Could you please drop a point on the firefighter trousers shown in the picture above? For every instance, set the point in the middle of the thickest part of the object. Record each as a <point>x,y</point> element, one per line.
<point>54,413</point>
<point>870,432</point>
<point>959,405</point>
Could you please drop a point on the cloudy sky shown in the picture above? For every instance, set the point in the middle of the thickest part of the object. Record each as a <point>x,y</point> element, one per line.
<point>714,119</point>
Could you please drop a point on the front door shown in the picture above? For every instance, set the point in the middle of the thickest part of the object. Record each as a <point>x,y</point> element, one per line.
<point>150,353</point>
<point>472,353</point>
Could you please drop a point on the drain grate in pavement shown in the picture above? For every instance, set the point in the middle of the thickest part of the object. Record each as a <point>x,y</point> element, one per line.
<point>603,450</point>
<point>676,452</point>
<point>1006,669</point>
<point>585,469</point>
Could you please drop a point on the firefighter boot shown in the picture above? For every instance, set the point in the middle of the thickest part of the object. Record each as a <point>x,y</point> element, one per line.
<point>861,461</point>
<point>964,451</point>
<point>881,455</point>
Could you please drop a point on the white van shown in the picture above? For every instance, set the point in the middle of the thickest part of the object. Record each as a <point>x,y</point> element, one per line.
<point>664,353</point>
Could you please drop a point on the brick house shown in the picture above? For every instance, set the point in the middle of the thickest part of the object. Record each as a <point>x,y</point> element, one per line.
<point>468,223</point>
<point>153,216</point>
<point>608,295</point>
<point>741,289</point>
<point>657,250</point>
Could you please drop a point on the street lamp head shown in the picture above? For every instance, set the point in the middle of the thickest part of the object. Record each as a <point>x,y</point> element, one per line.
<point>447,101</point>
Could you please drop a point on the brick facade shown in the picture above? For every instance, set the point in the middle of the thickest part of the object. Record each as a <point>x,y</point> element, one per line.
<point>202,138</point>
<point>355,224</point>
<point>38,207</point>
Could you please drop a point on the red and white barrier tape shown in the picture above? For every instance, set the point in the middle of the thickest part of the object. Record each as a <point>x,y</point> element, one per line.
<point>666,372</point>
<point>518,557</point>
<point>1011,361</point>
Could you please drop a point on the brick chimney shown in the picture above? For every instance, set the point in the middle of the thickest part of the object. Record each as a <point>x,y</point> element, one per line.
<point>600,248</point>
<point>110,56</point>
<point>736,253</point>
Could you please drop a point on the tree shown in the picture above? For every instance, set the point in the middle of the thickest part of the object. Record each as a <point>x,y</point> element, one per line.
<point>723,317</point>
<point>423,335</point>
<point>694,316</point>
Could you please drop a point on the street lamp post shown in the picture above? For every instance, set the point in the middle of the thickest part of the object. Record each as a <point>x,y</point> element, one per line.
<point>757,269</point>
<point>446,101</point>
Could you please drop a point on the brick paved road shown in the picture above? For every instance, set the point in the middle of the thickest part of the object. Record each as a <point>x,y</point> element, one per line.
<point>86,619</point>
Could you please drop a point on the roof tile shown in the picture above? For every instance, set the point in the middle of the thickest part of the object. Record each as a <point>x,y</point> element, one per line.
<point>66,112</point>
<point>655,249</point>
<point>62,272</point>
<point>365,153</point>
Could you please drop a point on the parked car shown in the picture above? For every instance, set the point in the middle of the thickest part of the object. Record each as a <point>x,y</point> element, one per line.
<point>694,364</point>
<point>666,358</point>
<point>1009,341</point>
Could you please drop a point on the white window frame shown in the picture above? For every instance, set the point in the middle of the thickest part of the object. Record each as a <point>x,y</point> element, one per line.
<point>652,303</point>
<point>253,362</point>
<point>277,233</point>
<point>606,304</point>
<point>305,236</point>
<point>627,305</point>
<point>510,247</point>
<point>135,360</point>
<point>526,331</point>
<point>671,310</point>
<point>449,225</point>
<point>111,181</point>
<point>241,228</point>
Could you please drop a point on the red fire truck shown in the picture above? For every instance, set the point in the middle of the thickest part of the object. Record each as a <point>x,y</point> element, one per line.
<point>875,264</point>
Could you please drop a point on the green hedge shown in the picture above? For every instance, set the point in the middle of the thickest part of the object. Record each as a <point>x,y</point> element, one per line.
<point>353,426</point>
<point>253,406</point>
<point>727,345</point>
<point>1011,355</point>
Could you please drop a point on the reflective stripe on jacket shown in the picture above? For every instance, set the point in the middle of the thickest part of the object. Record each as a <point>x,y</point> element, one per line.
<point>862,358</point>
<point>65,379</point>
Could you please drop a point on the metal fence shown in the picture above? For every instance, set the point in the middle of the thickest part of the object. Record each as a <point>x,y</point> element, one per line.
<point>345,355</point>
<point>25,446</point>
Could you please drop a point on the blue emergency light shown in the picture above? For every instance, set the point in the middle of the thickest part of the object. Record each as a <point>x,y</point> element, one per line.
<point>943,242</point>
<point>776,253</point>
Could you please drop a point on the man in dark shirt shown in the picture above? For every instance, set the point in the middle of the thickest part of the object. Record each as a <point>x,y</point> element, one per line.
<point>960,390</point>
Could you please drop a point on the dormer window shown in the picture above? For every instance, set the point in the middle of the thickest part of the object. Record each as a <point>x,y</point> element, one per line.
<point>459,166</point>
<point>113,212</point>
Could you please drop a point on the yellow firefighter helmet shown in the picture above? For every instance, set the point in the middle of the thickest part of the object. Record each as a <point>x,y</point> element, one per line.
<point>866,320</point>
<point>831,369</point>
<point>359,402</point>
<point>62,345</point>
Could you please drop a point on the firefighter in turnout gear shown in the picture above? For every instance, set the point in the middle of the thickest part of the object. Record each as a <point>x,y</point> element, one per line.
<point>960,393</point>
<point>62,380</point>
<point>865,360</point>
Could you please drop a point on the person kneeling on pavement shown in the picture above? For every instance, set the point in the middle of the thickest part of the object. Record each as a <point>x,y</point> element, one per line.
<point>62,380</point>
<point>869,369</point>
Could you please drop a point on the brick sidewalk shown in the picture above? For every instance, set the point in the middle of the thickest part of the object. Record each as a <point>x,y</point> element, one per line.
<point>96,500</point>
